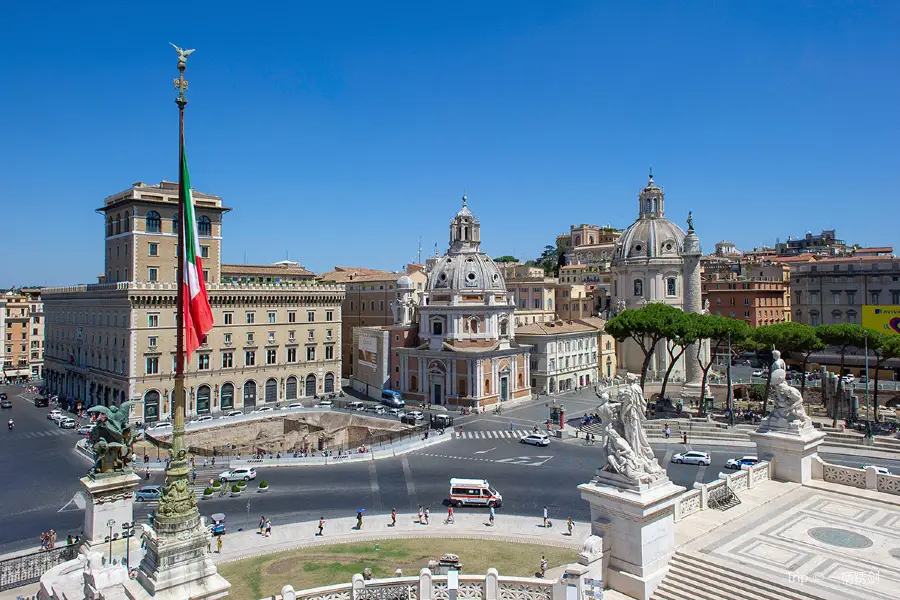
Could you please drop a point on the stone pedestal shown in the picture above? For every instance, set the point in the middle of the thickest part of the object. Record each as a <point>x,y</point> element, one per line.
<point>790,447</point>
<point>177,564</point>
<point>110,496</point>
<point>639,520</point>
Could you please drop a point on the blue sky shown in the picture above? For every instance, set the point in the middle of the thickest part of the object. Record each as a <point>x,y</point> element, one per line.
<point>341,132</point>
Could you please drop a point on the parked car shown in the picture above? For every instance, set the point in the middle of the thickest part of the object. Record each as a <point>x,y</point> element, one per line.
<point>150,493</point>
<point>241,473</point>
<point>54,415</point>
<point>41,402</point>
<point>160,427</point>
<point>202,419</point>
<point>378,410</point>
<point>5,403</point>
<point>879,470</point>
<point>397,412</point>
<point>418,415</point>
<point>692,457</point>
<point>295,406</point>
<point>67,423</point>
<point>536,439</point>
<point>325,404</point>
<point>85,430</point>
<point>234,413</point>
<point>740,463</point>
<point>263,409</point>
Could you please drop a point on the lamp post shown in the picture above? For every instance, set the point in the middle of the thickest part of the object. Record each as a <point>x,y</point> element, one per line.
<point>127,533</point>
<point>730,391</point>
<point>868,423</point>
<point>111,523</point>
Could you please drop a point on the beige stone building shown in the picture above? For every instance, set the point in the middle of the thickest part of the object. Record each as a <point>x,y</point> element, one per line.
<point>535,298</point>
<point>282,271</point>
<point>272,343</point>
<point>15,311</point>
<point>369,294</point>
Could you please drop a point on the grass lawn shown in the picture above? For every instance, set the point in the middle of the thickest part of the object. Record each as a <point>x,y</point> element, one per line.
<point>263,576</point>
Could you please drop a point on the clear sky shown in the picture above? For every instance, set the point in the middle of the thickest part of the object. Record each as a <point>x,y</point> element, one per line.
<point>341,132</point>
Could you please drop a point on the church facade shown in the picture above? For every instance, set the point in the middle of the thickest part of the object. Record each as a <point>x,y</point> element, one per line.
<point>466,353</point>
<point>657,261</point>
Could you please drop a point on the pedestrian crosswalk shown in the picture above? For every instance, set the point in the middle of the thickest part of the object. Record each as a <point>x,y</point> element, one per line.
<point>21,435</point>
<point>515,434</point>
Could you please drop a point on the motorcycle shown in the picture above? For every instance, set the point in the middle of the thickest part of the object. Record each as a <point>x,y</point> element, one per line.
<point>11,424</point>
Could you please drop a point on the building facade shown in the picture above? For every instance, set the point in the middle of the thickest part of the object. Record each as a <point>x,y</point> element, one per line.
<point>15,309</point>
<point>466,353</point>
<point>111,342</point>
<point>279,272</point>
<point>535,298</point>
<point>564,355</point>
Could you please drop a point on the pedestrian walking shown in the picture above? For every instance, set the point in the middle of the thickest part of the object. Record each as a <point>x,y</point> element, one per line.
<point>219,544</point>
<point>543,565</point>
<point>262,524</point>
<point>545,517</point>
<point>571,525</point>
<point>268,527</point>
<point>146,458</point>
<point>321,526</point>
<point>205,462</point>
<point>668,432</point>
<point>450,515</point>
<point>491,517</point>
<point>393,518</point>
<point>684,437</point>
<point>427,514</point>
<point>419,518</point>
<point>359,515</point>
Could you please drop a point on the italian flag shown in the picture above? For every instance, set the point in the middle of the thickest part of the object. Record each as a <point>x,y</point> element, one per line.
<point>198,320</point>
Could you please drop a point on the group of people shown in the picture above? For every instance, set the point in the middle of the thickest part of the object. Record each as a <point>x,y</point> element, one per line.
<point>265,526</point>
<point>48,540</point>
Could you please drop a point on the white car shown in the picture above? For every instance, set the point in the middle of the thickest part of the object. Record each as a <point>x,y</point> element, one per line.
<point>85,430</point>
<point>397,412</point>
<point>55,414</point>
<point>264,409</point>
<point>848,378</point>
<point>160,427</point>
<point>234,413</point>
<point>325,404</point>
<point>67,423</point>
<point>692,457</point>
<point>239,474</point>
<point>536,439</point>
<point>202,419</point>
<point>879,470</point>
<point>294,406</point>
<point>739,463</point>
<point>418,415</point>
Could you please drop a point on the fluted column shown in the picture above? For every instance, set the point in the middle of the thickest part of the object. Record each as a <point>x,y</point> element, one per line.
<point>693,303</point>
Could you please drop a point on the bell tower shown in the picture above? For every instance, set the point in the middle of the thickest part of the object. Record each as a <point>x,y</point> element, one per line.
<point>651,201</point>
<point>465,232</point>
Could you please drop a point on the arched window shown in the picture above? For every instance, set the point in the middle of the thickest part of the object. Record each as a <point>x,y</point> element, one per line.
<point>504,328</point>
<point>153,223</point>
<point>175,224</point>
<point>271,391</point>
<point>226,397</point>
<point>473,325</point>
<point>204,226</point>
<point>639,287</point>
<point>487,387</point>
<point>655,205</point>
<point>670,286</point>
<point>290,389</point>
<point>250,393</point>
<point>647,205</point>
<point>413,383</point>
<point>126,225</point>
<point>118,224</point>
<point>521,381</point>
<point>836,316</point>
<point>151,406</point>
<point>109,226</point>
<point>310,385</point>
<point>203,400</point>
<point>329,383</point>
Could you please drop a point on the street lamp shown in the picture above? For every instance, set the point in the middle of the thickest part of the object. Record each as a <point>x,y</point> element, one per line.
<point>868,423</point>
<point>111,523</point>
<point>127,533</point>
<point>730,390</point>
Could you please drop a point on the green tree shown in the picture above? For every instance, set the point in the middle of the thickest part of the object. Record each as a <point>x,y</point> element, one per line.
<point>793,338</point>
<point>885,347</point>
<point>549,260</point>
<point>843,336</point>
<point>506,258</point>
<point>646,326</point>
<point>680,331</point>
<point>715,332</point>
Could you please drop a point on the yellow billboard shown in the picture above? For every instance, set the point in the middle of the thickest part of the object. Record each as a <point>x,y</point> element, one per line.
<point>885,319</point>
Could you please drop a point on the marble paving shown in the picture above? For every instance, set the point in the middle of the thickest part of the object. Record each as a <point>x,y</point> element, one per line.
<point>820,543</point>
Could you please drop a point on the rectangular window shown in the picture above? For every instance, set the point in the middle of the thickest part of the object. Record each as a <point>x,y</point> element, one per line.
<point>329,316</point>
<point>271,318</point>
<point>876,295</point>
<point>329,333</point>
<point>203,362</point>
<point>227,339</point>
<point>249,358</point>
<point>271,337</point>
<point>251,317</point>
<point>154,249</point>
<point>851,297</point>
<point>814,320</point>
<point>290,336</point>
<point>310,334</point>
<point>227,360</point>
<point>271,357</point>
<point>229,318</point>
<point>151,341</point>
<point>206,275</point>
<point>746,313</point>
<point>204,251</point>
<point>670,286</point>
<point>152,274</point>
<point>292,316</point>
<point>895,298</point>
<point>373,305</point>
<point>249,337</point>
<point>311,353</point>
<point>351,306</point>
<point>836,298</point>
<point>292,355</point>
<point>329,352</point>
<point>746,301</point>
<point>814,297</point>
<point>152,365</point>
<point>381,306</point>
<point>152,320</point>
<point>311,316</point>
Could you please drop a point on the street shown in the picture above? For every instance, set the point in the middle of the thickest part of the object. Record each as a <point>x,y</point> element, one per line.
<point>41,459</point>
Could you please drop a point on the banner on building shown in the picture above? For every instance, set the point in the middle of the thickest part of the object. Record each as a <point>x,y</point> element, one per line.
<point>367,352</point>
<point>884,319</point>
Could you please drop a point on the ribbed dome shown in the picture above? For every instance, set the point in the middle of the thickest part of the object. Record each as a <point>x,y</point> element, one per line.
<point>404,283</point>
<point>649,237</point>
<point>466,272</point>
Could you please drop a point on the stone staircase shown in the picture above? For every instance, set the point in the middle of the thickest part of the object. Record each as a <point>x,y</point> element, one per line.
<point>692,577</point>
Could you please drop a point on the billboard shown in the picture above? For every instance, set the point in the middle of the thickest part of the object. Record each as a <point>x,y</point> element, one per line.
<point>367,352</point>
<point>884,319</point>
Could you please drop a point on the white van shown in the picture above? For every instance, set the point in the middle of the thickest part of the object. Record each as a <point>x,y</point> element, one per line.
<point>356,405</point>
<point>473,492</point>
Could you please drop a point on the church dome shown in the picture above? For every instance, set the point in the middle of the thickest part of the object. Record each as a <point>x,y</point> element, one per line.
<point>652,235</point>
<point>404,283</point>
<point>466,272</point>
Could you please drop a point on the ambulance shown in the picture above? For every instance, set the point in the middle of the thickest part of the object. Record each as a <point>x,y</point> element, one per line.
<point>473,492</point>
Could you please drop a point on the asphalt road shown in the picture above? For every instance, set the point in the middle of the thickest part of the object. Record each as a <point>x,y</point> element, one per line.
<point>45,469</point>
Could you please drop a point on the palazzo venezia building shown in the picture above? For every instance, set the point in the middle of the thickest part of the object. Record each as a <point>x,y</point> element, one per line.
<point>272,343</point>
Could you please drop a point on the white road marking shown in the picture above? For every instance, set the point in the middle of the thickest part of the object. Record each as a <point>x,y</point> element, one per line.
<point>78,501</point>
<point>376,490</point>
<point>407,474</point>
<point>667,458</point>
<point>485,451</point>
<point>700,473</point>
<point>528,461</point>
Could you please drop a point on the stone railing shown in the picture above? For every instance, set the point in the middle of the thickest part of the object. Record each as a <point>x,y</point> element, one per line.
<point>428,586</point>
<point>28,568</point>
<point>697,499</point>
<point>867,478</point>
<point>171,286</point>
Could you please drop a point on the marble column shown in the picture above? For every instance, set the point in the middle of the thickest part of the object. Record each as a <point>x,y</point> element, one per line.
<point>693,302</point>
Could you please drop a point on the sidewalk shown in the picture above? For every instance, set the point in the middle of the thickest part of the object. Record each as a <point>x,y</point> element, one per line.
<point>509,528</point>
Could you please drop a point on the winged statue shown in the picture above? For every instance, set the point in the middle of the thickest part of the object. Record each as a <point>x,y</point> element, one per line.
<point>182,54</point>
<point>112,437</point>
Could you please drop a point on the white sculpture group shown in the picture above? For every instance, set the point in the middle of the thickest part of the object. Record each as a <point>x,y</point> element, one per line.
<point>625,447</point>
<point>787,410</point>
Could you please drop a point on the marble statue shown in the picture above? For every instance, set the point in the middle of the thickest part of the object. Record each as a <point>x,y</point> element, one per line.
<point>777,361</point>
<point>705,310</point>
<point>620,305</point>
<point>625,446</point>
<point>112,438</point>
<point>787,402</point>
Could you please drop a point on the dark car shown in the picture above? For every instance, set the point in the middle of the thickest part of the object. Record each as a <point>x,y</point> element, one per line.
<point>40,402</point>
<point>5,403</point>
